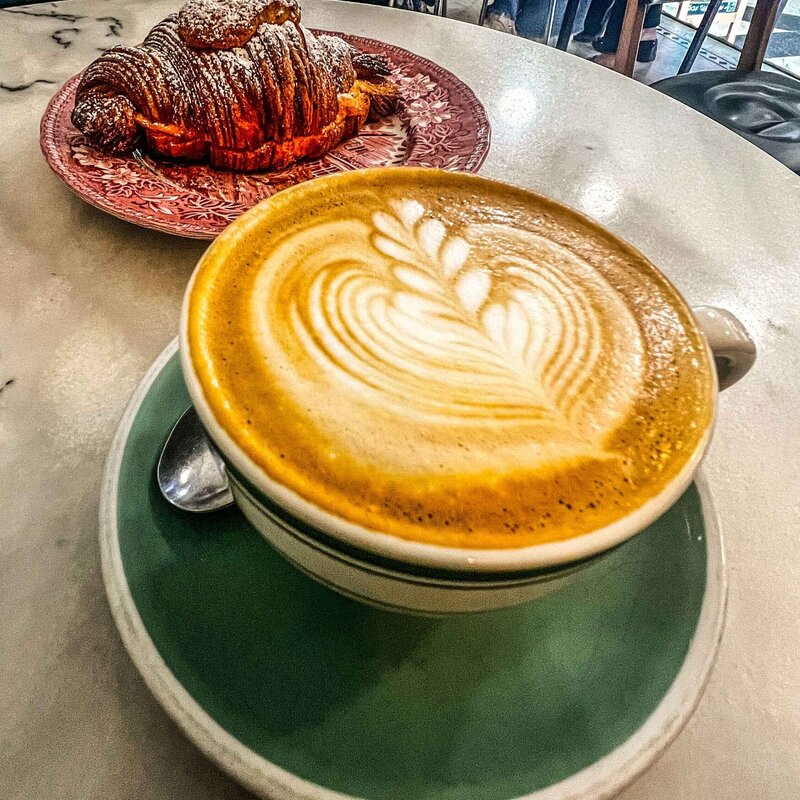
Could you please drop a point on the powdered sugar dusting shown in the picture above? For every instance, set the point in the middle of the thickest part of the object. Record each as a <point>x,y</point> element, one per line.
<point>223,24</point>
<point>198,201</point>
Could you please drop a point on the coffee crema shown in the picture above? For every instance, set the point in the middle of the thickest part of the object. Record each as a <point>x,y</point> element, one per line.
<point>447,359</point>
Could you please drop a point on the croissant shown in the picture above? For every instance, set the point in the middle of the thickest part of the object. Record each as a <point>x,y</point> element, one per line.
<point>240,84</point>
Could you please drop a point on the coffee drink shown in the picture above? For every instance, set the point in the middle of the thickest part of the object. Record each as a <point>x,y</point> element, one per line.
<point>447,359</point>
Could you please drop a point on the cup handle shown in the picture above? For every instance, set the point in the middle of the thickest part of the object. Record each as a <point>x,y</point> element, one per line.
<point>734,351</point>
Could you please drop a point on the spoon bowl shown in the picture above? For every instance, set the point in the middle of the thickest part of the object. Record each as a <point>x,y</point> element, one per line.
<point>191,473</point>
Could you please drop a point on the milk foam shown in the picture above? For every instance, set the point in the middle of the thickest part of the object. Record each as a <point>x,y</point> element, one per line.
<point>447,359</point>
<point>419,315</point>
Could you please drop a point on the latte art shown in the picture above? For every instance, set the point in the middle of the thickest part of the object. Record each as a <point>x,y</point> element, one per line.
<point>446,359</point>
<point>436,324</point>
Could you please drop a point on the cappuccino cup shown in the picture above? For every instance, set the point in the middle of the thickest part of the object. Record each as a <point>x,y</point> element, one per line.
<point>439,393</point>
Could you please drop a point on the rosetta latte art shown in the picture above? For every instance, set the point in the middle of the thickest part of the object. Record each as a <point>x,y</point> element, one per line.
<point>446,359</point>
<point>470,323</point>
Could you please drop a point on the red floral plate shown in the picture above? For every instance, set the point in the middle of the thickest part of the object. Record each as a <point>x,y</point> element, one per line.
<point>440,124</point>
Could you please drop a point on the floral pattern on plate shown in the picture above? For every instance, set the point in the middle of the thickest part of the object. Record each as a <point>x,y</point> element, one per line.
<point>440,124</point>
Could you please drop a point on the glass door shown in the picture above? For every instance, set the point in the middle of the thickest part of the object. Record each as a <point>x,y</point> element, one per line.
<point>733,20</point>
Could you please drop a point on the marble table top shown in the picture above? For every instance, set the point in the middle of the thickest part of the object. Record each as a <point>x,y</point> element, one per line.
<point>87,301</point>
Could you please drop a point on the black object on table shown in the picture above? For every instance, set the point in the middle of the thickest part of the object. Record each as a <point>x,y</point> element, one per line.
<point>762,107</point>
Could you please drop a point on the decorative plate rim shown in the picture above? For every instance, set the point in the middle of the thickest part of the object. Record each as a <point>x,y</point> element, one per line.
<point>601,780</point>
<point>49,142</point>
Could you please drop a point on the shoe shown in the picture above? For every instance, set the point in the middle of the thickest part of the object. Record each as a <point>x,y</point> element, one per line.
<point>644,55</point>
<point>583,36</point>
<point>500,22</point>
<point>647,51</point>
<point>605,44</point>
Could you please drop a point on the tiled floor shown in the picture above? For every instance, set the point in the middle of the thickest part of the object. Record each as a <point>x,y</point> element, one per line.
<point>674,38</point>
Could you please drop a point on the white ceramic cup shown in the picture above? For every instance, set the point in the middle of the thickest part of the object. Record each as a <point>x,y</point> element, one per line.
<point>394,573</point>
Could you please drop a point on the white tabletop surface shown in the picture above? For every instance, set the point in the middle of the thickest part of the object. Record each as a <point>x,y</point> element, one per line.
<point>87,301</point>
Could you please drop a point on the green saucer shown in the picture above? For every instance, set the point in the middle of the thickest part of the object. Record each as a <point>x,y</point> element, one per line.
<point>300,693</point>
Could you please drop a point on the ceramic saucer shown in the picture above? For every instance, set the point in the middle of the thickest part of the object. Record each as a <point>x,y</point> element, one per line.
<point>298,692</point>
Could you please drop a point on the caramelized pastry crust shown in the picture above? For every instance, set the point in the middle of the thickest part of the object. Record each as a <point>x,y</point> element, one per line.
<point>239,84</point>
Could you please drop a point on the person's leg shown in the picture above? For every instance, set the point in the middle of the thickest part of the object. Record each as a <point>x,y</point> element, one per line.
<point>652,19</point>
<point>501,15</point>
<point>508,7</point>
<point>648,44</point>
<point>532,17</point>
<point>594,20</point>
<point>610,40</point>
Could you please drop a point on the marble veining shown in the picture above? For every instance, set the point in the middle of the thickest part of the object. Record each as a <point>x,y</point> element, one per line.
<point>88,33</point>
<point>23,86</point>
